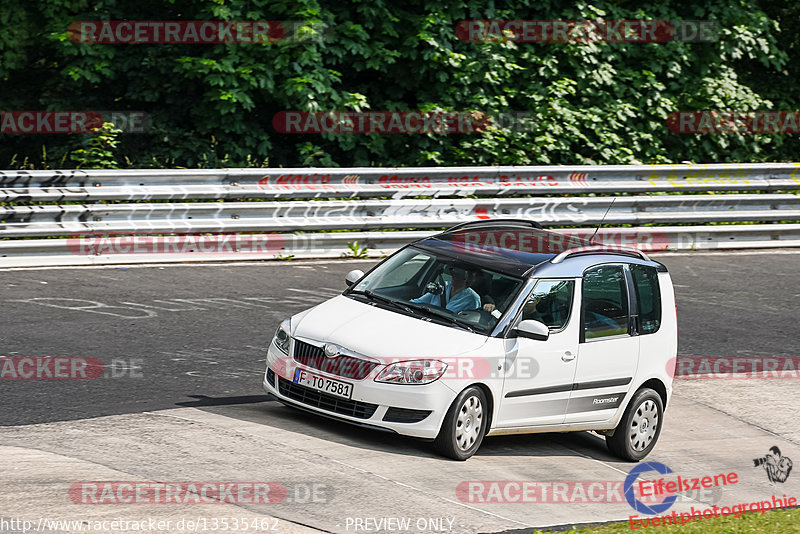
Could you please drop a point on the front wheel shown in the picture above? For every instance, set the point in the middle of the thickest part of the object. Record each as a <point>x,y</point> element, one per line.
<point>464,425</point>
<point>639,428</point>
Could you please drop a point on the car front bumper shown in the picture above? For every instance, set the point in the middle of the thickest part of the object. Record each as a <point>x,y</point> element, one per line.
<point>372,404</point>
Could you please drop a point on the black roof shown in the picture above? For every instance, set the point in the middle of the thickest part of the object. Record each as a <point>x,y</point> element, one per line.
<point>510,246</point>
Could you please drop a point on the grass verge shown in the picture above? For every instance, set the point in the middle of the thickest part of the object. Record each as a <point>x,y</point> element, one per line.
<point>773,522</point>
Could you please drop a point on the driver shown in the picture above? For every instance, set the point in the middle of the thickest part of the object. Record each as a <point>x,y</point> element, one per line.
<point>457,295</point>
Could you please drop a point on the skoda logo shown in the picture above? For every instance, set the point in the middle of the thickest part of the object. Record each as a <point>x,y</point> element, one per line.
<point>331,350</point>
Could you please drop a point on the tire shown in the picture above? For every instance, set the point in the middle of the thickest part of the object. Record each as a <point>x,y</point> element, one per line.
<point>460,436</point>
<point>639,428</point>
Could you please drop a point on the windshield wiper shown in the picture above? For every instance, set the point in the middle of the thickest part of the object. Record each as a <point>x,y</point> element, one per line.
<point>413,307</point>
<point>452,320</point>
<point>374,296</point>
<point>459,322</point>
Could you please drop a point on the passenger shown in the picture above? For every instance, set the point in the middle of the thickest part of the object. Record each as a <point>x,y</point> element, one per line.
<point>457,295</point>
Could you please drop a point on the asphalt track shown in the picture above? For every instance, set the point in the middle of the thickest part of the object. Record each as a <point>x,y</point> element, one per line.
<point>182,348</point>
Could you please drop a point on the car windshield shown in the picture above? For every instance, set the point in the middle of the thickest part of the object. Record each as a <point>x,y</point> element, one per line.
<point>441,288</point>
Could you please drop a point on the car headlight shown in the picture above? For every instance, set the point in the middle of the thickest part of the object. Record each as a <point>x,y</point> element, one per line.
<point>281,338</point>
<point>412,372</point>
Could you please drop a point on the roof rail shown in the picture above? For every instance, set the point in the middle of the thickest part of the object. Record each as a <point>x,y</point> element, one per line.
<point>495,222</point>
<point>601,248</point>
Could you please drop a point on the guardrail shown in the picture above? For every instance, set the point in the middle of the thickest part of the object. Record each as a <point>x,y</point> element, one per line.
<point>229,184</point>
<point>259,207</point>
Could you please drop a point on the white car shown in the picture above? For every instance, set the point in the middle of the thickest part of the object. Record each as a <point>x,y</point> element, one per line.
<point>489,328</point>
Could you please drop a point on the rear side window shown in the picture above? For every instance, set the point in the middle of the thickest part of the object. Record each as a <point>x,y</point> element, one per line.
<point>605,302</point>
<point>648,295</point>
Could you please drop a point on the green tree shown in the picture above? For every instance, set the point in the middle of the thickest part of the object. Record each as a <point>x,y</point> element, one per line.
<point>213,104</point>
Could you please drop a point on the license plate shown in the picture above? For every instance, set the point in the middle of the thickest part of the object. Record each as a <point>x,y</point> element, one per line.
<point>320,383</point>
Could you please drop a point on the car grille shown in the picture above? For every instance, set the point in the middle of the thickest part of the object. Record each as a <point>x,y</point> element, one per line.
<point>405,415</point>
<point>323,401</point>
<point>271,377</point>
<point>344,366</point>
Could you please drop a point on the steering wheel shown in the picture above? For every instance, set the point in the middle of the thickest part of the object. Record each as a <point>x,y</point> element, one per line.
<point>434,288</point>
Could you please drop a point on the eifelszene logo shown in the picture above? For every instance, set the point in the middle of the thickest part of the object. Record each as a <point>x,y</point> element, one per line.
<point>630,484</point>
<point>777,467</point>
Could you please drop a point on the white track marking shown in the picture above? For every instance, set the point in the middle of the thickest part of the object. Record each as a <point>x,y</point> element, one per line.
<point>259,263</point>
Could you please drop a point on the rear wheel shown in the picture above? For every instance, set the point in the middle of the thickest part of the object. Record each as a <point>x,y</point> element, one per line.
<point>639,428</point>
<point>464,425</point>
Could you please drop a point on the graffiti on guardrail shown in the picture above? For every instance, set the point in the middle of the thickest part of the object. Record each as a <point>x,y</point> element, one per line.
<point>328,182</point>
<point>96,224</point>
<point>489,180</point>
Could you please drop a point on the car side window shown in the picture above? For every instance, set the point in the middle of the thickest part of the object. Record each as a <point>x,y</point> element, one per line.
<point>550,303</point>
<point>648,295</point>
<point>605,302</point>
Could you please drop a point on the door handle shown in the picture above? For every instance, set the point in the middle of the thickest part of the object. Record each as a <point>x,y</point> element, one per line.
<point>567,356</point>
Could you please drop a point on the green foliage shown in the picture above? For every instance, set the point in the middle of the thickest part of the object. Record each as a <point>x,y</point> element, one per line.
<point>356,251</point>
<point>775,522</point>
<point>212,105</point>
<point>99,154</point>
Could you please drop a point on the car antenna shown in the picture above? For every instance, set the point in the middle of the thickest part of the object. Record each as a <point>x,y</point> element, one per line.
<point>602,220</point>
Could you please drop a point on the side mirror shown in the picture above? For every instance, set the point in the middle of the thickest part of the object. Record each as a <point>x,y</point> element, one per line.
<point>353,277</point>
<point>533,330</point>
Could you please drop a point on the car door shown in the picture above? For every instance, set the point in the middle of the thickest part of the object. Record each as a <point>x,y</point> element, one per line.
<point>608,352</point>
<point>538,374</point>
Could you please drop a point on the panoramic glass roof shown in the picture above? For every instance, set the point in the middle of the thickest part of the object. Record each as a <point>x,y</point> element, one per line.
<point>511,249</point>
